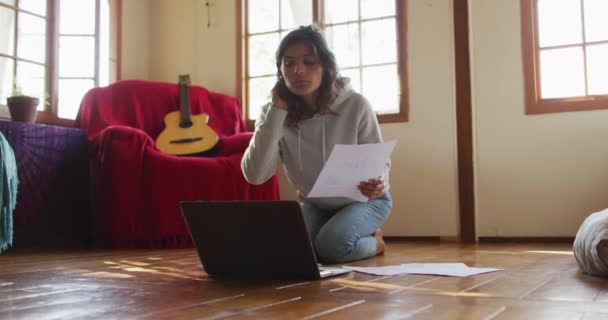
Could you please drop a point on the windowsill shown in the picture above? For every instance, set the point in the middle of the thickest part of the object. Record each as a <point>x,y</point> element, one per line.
<point>567,105</point>
<point>43,117</point>
<point>382,118</point>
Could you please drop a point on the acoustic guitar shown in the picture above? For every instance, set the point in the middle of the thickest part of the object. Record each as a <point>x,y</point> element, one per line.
<point>185,133</point>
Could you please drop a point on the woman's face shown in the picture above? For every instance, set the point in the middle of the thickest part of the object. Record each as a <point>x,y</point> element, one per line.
<point>302,70</point>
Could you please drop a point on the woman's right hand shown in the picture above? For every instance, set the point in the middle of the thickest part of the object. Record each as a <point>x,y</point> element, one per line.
<point>277,101</point>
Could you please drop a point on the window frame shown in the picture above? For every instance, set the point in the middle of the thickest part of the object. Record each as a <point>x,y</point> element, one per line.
<point>49,115</point>
<point>317,14</point>
<point>534,104</point>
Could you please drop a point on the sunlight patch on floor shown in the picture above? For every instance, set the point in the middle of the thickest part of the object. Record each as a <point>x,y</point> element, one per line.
<point>566,253</point>
<point>104,274</point>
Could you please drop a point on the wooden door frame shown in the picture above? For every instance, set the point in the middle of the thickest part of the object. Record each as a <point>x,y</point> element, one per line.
<point>464,123</point>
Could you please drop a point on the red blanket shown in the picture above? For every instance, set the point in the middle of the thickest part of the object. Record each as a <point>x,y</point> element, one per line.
<point>138,187</point>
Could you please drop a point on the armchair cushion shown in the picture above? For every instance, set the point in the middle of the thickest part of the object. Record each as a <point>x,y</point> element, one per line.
<point>139,187</point>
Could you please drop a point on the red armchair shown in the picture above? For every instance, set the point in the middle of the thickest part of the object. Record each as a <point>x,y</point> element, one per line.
<point>138,187</point>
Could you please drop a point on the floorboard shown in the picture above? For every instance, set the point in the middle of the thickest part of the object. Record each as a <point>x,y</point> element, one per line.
<point>539,281</point>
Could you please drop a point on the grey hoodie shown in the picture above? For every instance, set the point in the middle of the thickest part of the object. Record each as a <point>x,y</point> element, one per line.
<point>304,149</point>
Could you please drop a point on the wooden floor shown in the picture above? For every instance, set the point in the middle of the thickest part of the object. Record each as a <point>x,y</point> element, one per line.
<point>539,282</point>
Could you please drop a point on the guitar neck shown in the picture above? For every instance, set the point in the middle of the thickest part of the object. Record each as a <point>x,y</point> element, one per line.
<point>184,105</point>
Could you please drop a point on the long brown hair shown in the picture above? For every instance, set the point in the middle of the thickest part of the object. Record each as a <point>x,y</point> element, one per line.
<point>331,84</point>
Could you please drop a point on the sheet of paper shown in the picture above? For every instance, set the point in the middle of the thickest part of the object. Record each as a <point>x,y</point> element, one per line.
<point>438,269</point>
<point>445,269</point>
<point>378,271</point>
<point>348,165</point>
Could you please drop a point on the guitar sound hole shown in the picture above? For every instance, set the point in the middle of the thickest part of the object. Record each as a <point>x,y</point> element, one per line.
<point>186,124</point>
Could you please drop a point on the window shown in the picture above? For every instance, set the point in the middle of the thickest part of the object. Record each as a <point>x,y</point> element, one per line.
<point>367,37</point>
<point>55,50</point>
<point>565,45</point>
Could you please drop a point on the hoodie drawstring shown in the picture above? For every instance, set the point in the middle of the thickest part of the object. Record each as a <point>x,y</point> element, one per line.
<point>299,148</point>
<point>323,137</point>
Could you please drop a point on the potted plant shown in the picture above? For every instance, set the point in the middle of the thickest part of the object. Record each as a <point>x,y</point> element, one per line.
<point>22,107</point>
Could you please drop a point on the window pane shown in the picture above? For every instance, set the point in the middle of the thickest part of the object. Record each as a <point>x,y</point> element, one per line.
<point>377,8</point>
<point>259,94</point>
<point>295,13</point>
<point>9,2</point>
<point>379,41</point>
<point>31,39</point>
<point>30,78</point>
<point>6,79</point>
<point>381,88</point>
<point>596,20</point>
<point>354,76</point>
<point>76,56</point>
<point>562,73</point>
<point>263,15</point>
<point>71,92</point>
<point>282,35</point>
<point>35,6</point>
<point>7,25</point>
<point>261,54</point>
<point>77,16</point>
<point>104,50</point>
<point>340,11</point>
<point>343,40</point>
<point>597,71</point>
<point>559,22</point>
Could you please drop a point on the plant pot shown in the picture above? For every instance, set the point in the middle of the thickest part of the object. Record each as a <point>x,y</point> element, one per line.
<point>23,108</point>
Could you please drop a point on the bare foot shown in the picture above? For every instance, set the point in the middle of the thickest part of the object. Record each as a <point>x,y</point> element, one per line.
<point>380,245</point>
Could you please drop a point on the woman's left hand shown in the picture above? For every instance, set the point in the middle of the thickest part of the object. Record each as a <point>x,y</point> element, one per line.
<point>372,188</point>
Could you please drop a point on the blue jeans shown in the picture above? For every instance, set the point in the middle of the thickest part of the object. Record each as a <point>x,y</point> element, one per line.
<point>346,234</point>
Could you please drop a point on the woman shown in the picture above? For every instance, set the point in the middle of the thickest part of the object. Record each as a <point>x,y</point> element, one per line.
<point>312,109</point>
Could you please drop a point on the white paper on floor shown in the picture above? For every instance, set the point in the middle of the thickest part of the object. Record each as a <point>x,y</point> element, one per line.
<point>438,269</point>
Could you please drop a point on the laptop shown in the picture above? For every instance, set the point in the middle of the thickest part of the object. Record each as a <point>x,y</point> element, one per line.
<point>253,239</point>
